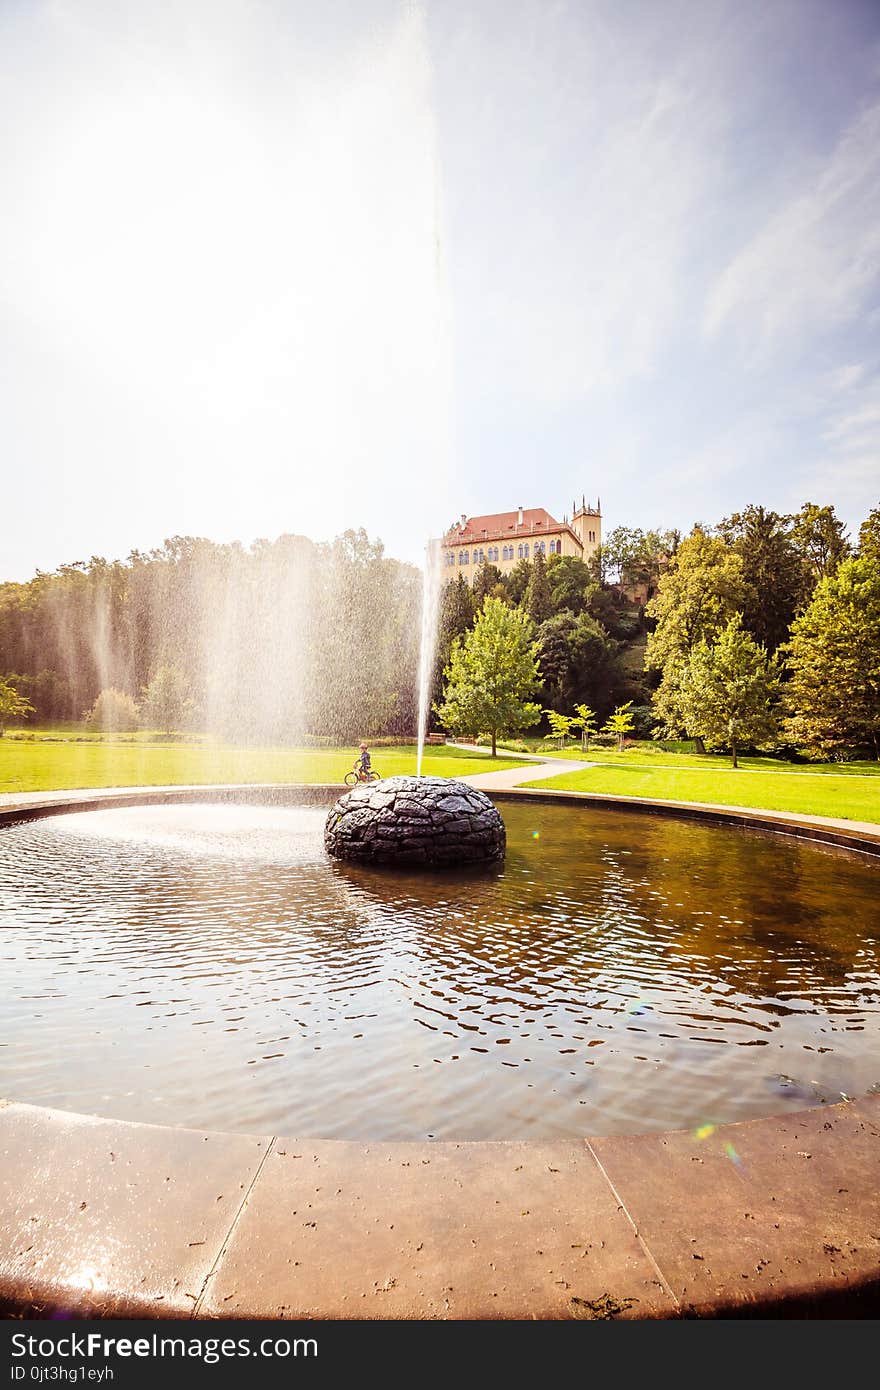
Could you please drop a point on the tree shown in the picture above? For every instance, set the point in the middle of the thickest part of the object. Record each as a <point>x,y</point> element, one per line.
<point>773,570</point>
<point>620,548</point>
<point>570,583</point>
<point>587,721</point>
<point>820,539</point>
<point>560,725</point>
<point>517,581</point>
<point>638,557</point>
<point>114,711</point>
<point>869,535</point>
<point>486,581</point>
<point>698,594</point>
<point>12,705</point>
<point>578,661</point>
<point>620,723</point>
<point>166,701</point>
<point>537,601</point>
<point>455,616</point>
<point>492,672</point>
<point>729,689</point>
<point>833,695</point>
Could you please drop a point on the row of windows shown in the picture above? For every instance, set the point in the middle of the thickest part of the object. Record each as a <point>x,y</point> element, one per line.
<point>491,555</point>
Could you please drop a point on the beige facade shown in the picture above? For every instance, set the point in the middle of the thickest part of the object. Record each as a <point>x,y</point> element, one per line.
<point>505,538</point>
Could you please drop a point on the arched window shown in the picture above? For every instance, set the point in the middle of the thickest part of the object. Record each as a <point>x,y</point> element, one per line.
<point>463,557</point>
<point>526,550</point>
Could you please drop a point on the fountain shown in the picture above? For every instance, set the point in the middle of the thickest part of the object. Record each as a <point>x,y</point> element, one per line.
<point>418,822</point>
<point>431,586</point>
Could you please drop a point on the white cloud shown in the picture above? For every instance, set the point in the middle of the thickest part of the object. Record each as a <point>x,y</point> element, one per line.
<point>847,376</point>
<point>810,267</point>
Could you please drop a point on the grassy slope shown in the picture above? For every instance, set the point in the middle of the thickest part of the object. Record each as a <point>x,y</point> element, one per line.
<point>759,783</point>
<point>55,762</point>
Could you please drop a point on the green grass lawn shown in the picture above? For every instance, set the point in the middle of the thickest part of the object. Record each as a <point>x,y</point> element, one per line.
<point>816,791</point>
<point>59,759</point>
<point>655,755</point>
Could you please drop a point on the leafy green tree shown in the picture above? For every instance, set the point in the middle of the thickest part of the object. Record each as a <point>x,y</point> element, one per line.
<point>820,539</point>
<point>729,688</point>
<point>486,581</point>
<point>700,591</point>
<point>12,705</point>
<point>571,583</point>
<point>167,703</point>
<point>773,570</point>
<point>537,602</point>
<point>634,556</point>
<point>620,723</point>
<point>620,548</point>
<point>455,617</point>
<point>492,673</point>
<point>517,581</point>
<point>114,711</point>
<point>560,725</point>
<point>615,612</point>
<point>456,607</point>
<point>869,535</point>
<point>587,721</point>
<point>834,658</point>
<point>579,661</point>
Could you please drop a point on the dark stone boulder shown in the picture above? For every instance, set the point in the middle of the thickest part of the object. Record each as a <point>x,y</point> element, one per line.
<point>415,821</point>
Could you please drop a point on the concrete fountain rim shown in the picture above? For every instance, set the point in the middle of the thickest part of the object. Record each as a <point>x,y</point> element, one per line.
<point>650,1179</point>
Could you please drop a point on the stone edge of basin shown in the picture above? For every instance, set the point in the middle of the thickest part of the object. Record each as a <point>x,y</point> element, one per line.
<point>823,829</point>
<point>775,1217</point>
<point>112,1219</point>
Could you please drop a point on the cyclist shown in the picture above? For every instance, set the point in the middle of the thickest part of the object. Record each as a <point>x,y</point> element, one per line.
<point>362,766</point>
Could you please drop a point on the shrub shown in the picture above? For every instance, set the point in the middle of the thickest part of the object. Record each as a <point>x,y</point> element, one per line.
<point>114,711</point>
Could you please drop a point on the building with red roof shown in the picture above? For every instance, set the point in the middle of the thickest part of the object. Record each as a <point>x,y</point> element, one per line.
<point>504,538</point>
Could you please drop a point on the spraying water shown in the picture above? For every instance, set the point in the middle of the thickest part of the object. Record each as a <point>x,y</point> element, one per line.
<point>430,601</point>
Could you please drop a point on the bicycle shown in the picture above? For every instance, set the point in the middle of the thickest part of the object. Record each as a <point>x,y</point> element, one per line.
<point>358,775</point>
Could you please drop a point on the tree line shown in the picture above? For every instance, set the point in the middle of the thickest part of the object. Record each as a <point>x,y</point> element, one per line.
<point>760,631</point>
<point>277,641</point>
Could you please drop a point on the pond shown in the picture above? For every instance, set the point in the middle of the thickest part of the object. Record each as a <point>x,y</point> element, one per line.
<point>208,966</point>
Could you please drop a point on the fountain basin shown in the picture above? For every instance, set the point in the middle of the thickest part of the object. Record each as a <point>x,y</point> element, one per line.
<point>417,822</point>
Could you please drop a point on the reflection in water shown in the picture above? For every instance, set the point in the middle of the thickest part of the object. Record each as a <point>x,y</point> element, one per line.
<point>206,965</point>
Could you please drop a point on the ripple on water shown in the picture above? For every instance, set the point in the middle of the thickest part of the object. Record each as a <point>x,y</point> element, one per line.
<point>206,965</point>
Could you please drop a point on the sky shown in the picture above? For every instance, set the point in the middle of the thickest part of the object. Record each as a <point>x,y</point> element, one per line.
<point>268,266</point>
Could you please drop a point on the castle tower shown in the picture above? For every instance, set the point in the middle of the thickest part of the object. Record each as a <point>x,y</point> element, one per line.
<point>586,522</point>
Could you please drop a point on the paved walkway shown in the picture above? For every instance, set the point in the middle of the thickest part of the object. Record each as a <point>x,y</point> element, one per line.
<point>512,777</point>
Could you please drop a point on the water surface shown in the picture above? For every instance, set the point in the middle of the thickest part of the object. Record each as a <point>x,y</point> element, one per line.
<point>207,966</point>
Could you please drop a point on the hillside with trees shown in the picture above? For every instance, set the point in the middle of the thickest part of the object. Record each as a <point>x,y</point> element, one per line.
<point>762,631</point>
